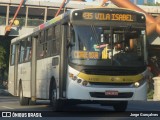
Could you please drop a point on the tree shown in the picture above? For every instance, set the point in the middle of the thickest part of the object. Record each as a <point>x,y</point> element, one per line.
<point>2,63</point>
<point>2,57</point>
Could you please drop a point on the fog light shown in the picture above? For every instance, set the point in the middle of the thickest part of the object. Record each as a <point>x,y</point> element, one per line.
<point>79,81</point>
<point>136,84</point>
<point>84,83</point>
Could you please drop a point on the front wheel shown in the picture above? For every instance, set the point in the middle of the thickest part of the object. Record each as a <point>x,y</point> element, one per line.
<point>121,106</point>
<point>55,103</point>
<point>32,102</point>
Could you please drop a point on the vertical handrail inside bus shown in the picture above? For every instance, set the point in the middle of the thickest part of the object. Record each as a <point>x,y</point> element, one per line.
<point>8,28</point>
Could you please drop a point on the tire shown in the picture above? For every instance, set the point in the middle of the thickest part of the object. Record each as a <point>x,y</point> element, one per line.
<point>22,100</point>
<point>32,102</point>
<point>121,106</point>
<point>55,103</point>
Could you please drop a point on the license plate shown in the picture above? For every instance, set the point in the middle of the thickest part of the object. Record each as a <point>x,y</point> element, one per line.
<point>112,93</point>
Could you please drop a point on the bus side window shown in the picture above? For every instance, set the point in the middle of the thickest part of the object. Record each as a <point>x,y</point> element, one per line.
<point>57,43</point>
<point>22,51</point>
<point>13,52</point>
<point>53,42</point>
<point>54,48</point>
<point>42,36</point>
<point>44,51</point>
<point>50,35</point>
<point>53,45</point>
<point>49,48</point>
<point>40,46</point>
<point>28,49</point>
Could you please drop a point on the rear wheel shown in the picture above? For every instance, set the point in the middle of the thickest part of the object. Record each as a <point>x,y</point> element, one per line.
<point>121,106</point>
<point>22,100</point>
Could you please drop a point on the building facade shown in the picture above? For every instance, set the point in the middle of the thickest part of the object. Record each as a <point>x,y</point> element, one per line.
<point>139,2</point>
<point>142,2</point>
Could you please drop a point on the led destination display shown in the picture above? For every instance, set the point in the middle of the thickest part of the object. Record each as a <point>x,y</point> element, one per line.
<point>108,16</point>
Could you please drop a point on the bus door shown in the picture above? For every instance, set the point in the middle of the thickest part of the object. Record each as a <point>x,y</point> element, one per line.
<point>33,69</point>
<point>13,70</point>
<point>16,70</point>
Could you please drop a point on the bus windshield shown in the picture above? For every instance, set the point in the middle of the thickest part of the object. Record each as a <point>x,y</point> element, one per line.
<point>107,46</point>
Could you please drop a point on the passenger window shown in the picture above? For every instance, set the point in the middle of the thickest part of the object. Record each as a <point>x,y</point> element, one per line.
<point>28,50</point>
<point>43,51</point>
<point>42,36</point>
<point>50,38</point>
<point>54,47</point>
<point>22,51</point>
<point>57,43</point>
<point>13,52</point>
<point>49,34</point>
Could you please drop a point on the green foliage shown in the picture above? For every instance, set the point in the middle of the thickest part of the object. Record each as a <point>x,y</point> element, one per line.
<point>2,58</point>
<point>150,94</point>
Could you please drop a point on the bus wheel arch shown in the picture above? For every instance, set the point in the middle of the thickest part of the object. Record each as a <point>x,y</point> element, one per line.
<point>52,82</point>
<point>19,87</point>
<point>22,100</point>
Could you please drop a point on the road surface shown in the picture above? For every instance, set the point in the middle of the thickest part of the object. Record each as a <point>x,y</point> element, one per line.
<point>10,103</point>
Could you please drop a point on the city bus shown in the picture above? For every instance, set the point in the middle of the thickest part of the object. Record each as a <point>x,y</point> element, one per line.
<point>90,55</point>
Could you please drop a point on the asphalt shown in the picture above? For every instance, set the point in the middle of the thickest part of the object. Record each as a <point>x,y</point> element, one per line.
<point>4,92</point>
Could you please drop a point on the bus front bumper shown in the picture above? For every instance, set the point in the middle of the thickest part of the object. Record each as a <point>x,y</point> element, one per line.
<point>79,92</point>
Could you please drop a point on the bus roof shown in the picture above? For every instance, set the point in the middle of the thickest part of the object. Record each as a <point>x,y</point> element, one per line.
<point>42,26</point>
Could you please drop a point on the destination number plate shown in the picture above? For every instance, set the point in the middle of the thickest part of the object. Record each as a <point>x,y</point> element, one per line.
<point>112,93</point>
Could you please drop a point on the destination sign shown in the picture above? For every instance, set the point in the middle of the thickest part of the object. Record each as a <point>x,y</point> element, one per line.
<point>108,16</point>
<point>85,55</point>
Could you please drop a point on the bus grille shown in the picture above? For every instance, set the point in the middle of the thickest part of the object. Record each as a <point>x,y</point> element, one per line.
<point>111,84</point>
<point>113,73</point>
<point>102,95</point>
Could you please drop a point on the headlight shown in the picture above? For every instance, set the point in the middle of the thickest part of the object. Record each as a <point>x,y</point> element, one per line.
<point>85,83</point>
<point>140,82</point>
<point>74,78</point>
<point>79,81</point>
<point>136,84</point>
